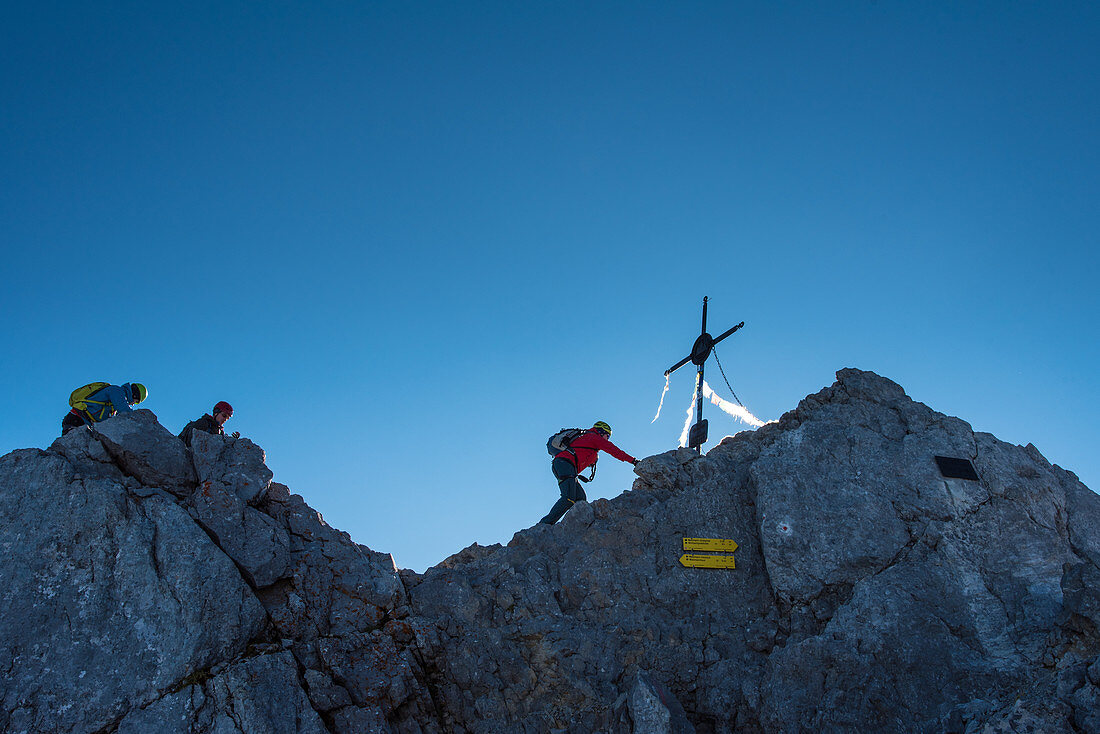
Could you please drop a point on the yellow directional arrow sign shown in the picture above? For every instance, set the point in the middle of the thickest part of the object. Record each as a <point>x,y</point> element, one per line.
<point>691,560</point>
<point>709,544</point>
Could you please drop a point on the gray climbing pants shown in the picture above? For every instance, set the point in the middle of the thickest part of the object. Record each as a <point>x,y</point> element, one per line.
<point>571,489</point>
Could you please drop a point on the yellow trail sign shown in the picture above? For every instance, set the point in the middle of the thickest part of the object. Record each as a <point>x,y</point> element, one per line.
<point>709,544</point>
<point>692,560</point>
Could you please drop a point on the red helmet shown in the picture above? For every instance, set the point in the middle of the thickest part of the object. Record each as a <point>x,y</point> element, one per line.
<point>224,407</point>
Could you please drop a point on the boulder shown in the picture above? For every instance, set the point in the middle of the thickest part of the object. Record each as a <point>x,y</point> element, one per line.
<point>87,454</point>
<point>650,708</point>
<point>235,464</point>
<point>143,449</point>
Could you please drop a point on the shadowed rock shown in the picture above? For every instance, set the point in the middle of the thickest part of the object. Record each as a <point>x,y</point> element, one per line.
<point>237,465</point>
<point>869,593</point>
<point>108,599</point>
<point>142,448</point>
<point>257,543</point>
<point>257,694</point>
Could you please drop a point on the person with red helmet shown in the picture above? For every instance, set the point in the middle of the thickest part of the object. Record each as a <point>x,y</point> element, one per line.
<point>210,422</point>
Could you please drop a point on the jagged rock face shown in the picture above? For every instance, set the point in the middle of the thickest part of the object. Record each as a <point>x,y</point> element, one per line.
<point>259,694</point>
<point>151,588</point>
<point>870,593</point>
<point>109,596</point>
<point>141,448</point>
<point>148,588</point>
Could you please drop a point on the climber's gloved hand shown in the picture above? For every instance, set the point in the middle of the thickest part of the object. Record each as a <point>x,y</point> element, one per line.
<point>235,434</point>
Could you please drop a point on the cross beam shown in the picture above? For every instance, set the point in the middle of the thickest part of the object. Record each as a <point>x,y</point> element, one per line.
<point>699,353</point>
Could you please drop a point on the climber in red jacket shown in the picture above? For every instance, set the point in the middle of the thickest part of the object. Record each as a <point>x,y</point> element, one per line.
<point>581,454</point>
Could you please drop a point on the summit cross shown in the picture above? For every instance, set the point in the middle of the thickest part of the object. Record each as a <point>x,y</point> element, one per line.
<point>699,353</point>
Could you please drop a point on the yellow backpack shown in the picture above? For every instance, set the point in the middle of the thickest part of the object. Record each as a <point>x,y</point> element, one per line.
<point>79,398</point>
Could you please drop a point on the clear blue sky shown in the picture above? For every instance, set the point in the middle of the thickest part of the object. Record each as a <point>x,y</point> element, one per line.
<point>408,241</point>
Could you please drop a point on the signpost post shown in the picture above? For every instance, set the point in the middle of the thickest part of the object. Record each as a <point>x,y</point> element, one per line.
<point>699,353</point>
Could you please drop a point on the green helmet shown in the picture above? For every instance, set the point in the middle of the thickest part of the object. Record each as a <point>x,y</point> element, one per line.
<point>139,392</point>
<point>601,426</point>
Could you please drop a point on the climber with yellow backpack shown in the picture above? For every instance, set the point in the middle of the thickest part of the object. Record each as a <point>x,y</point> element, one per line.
<point>98,401</point>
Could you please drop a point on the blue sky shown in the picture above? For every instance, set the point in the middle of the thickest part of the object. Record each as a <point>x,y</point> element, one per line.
<point>408,241</point>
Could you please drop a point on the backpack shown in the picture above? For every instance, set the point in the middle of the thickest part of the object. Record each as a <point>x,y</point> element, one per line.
<point>79,397</point>
<point>560,441</point>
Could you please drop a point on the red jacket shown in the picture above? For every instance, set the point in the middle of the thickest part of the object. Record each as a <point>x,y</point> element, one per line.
<point>587,446</point>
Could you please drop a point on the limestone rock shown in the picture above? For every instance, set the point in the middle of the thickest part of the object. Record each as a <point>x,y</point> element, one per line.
<point>258,695</point>
<point>235,464</point>
<point>257,543</point>
<point>869,592</point>
<point>664,469</point>
<point>333,585</point>
<point>341,607</point>
<point>85,452</point>
<point>130,606</point>
<point>145,450</point>
<point>108,600</point>
<point>650,708</point>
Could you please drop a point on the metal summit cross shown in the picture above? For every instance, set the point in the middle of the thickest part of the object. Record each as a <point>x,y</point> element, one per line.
<point>699,353</point>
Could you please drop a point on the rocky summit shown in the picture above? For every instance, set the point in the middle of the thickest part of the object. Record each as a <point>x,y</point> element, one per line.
<point>872,588</point>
